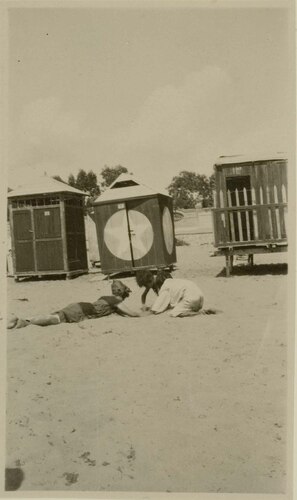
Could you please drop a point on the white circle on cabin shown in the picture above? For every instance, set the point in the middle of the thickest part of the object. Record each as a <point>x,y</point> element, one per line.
<point>168,230</point>
<point>116,235</point>
<point>142,234</point>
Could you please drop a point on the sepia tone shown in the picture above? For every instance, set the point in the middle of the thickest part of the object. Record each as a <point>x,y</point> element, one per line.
<point>155,403</point>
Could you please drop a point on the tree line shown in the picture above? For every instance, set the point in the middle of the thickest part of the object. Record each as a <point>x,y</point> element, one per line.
<point>188,189</point>
<point>88,182</point>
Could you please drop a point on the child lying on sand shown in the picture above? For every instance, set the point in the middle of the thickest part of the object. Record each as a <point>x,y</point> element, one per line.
<point>78,311</point>
<point>183,296</point>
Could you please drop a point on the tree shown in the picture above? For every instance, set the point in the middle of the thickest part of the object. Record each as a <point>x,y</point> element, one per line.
<point>189,188</point>
<point>71,180</point>
<point>92,184</point>
<point>204,190</point>
<point>58,178</point>
<point>212,181</point>
<point>110,174</point>
<point>212,186</point>
<point>85,181</point>
<point>82,180</point>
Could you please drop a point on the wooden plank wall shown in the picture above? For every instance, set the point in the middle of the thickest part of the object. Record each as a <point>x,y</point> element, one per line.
<point>255,217</point>
<point>76,237</point>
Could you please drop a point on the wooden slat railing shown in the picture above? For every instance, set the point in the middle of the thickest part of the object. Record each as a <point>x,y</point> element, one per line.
<point>250,223</point>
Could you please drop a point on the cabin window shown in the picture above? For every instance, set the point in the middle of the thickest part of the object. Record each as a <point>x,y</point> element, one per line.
<point>50,200</point>
<point>33,202</point>
<point>239,190</point>
<point>239,194</point>
<point>122,184</point>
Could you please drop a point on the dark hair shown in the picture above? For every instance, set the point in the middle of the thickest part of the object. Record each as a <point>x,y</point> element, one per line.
<point>161,276</point>
<point>145,277</point>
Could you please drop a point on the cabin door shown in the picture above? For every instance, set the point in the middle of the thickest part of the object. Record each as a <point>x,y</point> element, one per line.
<point>116,237</point>
<point>23,241</point>
<point>128,233</point>
<point>141,233</point>
<point>239,194</point>
<point>48,242</point>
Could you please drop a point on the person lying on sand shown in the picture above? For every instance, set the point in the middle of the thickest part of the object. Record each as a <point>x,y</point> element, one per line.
<point>182,296</point>
<point>78,311</point>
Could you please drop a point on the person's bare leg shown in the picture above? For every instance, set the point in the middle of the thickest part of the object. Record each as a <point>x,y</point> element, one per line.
<point>41,320</point>
<point>45,320</point>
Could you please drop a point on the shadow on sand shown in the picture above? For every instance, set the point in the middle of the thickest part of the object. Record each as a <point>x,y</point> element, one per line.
<point>13,478</point>
<point>255,270</point>
<point>46,277</point>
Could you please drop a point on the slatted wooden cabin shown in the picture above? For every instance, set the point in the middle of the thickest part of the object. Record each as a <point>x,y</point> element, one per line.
<point>250,206</point>
<point>47,229</point>
<point>135,227</point>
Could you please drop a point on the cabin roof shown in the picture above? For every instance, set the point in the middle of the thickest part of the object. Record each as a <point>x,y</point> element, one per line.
<point>235,159</point>
<point>43,185</point>
<point>124,180</point>
<point>126,187</point>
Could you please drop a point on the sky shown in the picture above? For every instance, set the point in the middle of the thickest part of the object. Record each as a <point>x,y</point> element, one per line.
<point>158,90</point>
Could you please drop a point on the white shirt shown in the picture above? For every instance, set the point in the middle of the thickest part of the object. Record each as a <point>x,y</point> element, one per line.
<point>181,295</point>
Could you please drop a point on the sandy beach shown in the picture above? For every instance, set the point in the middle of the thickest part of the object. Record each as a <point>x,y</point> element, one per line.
<point>163,404</point>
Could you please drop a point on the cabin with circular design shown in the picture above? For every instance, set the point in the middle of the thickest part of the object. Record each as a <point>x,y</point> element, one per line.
<point>135,227</point>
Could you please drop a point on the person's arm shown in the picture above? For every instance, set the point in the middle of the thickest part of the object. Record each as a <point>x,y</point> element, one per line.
<point>161,303</point>
<point>122,308</point>
<point>143,299</point>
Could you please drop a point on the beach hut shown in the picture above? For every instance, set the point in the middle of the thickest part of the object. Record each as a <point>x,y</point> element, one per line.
<point>250,206</point>
<point>47,229</point>
<point>135,227</point>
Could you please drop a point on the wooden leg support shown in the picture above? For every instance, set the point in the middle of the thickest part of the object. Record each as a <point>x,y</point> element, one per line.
<point>251,259</point>
<point>229,264</point>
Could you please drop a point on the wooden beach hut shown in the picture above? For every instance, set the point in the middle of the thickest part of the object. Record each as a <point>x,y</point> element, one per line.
<point>250,206</point>
<point>47,229</point>
<point>135,227</point>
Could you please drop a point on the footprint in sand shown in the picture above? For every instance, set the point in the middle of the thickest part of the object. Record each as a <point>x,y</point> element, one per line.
<point>85,456</point>
<point>71,478</point>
